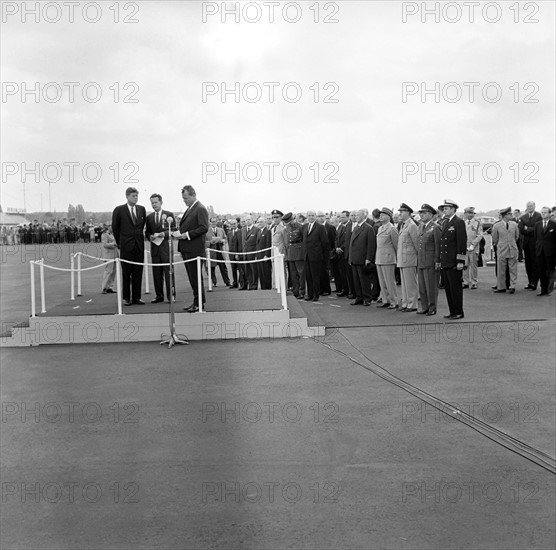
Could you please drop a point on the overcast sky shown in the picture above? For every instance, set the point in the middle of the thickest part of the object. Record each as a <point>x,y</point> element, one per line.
<point>367,134</point>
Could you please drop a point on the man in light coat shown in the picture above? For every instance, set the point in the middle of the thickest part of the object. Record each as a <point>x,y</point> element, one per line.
<point>408,246</point>
<point>474,235</point>
<point>505,235</point>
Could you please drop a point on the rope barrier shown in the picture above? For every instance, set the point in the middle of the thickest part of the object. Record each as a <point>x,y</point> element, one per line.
<point>240,253</point>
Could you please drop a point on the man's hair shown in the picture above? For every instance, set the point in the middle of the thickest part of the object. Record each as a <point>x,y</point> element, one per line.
<point>346,212</point>
<point>190,190</point>
<point>156,196</point>
<point>376,213</point>
<point>130,190</point>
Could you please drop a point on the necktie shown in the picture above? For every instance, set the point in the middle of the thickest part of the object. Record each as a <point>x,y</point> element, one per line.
<point>310,227</point>
<point>133,216</point>
<point>274,230</point>
<point>545,224</point>
<point>507,225</point>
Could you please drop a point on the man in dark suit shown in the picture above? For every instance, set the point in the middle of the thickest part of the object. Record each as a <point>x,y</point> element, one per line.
<point>235,245</point>
<point>264,241</point>
<point>347,240</point>
<point>128,222</point>
<point>295,252</point>
<point>362,251</point>
<point>342,288</point>
<point>316,249</point>
<point>453,252</point>
<point>527,224</point>
<point>191,241</point>
<point>545,248</point>
<point>156,231</point>
<point>428,260</point>
<point>325,289</point>
<point>249,235</point>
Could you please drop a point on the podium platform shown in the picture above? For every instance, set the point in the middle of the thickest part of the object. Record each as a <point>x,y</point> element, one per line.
<point>229,315</point>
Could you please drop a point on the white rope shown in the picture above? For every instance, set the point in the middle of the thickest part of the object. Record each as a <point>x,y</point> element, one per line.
<point>75,270</point>
<point>240,253</point>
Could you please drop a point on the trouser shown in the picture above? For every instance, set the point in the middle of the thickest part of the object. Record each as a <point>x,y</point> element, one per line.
<point>387,279</point>
<point>470,274</point>
<point>428,288</point>
<point>325,277</point>
<point>511,265</point>
<point>349,279</point>
<point>132,274</point>
<point>454,290</point>
<point>264,270</point>
<point>238,275</point>
<point>496,270</point>
<point>409,287</point>
<point>109,275</point>
<point>338,277</point>
<point>312,277</point>
<point>161,275</point>
<point>191,268</point>
<point>297,274</point>
<point>375,284</point>
<point>546,273</point>
<point>343,267</point>
<point>222,266</point>
<point>530,261</point>
<point>362,283</point>
<point>251,272</point>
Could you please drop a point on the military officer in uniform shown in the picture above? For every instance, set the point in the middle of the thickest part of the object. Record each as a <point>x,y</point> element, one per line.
<point>279,238</point>
<point>453,244</point>
<point>428,260</point>
<point>408,244</point>
<point>474,235</point>
<point>505,235</point>
<point>295,250</point>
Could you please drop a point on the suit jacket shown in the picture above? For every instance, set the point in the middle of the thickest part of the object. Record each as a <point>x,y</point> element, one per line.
<point>340,237</point>
<point>474,233</point>
<point>264,240</point>
<point>249,238</point>
<point>151,228</point>
<point>220,237</point>
<point>453,242</point>
<point>128,235</point>
<point>235,244</point>
<point>505,239</point>
<point>545,241</point>
<point>387,245</point>
<point>429,245</point>
<point>362,245</point>
<point>316,242</point>
<point>408,244</point>
<point>331,234</point>
<point>347,239</point>
<point>295,248</point>
<point>279,237</point>
<point>194,222</point>
<point>527,225</point>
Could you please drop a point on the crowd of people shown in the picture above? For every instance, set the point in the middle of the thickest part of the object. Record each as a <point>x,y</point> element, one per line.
<point>396,260</point>
<point>58,231</point>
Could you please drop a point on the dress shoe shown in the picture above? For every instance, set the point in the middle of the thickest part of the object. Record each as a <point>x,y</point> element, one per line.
<point>473,287</point>
<point>316,300</point>
<point>542,294</point>
<point>424,312</point>
<point>351,296</point>
<point>300,297</point>
<point>494,287</point>
<point>157,300</point>
<point>449,316</point>
<point>341,294</point>
<point>192,309</point>
<point>431,312</point>
<point>325,293</point>
<point>498,290</point>
<point>409,309</point>
<point>367,303</point>
<point>356,303</point>
<point>402,309</point>
<point>387,304</point>
<point>308,299</point>
<point>530,287</point>
<point>104,291</point>
<point>110,291</point>
<point>459,316</point>
<point>511,290</point>
<point>138,302</point>
<point>228,284</point>
<point>465,286</point>
<point>393,306</point>
<point>127,302</point>
<point>242,288</point>
<point>441,286</point>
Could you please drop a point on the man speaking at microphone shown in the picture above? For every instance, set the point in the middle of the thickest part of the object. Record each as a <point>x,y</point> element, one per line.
<point>157,232</point>
<point>194,225</point>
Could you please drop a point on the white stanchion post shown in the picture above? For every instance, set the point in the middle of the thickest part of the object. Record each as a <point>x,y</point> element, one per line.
<point>33,311</point>
<point>79,254</point>
<point>119,285</point>
<point>146,268</point>
<point>283,283</point>
<point>275,265</point>
<point>72,276</point>
<point>209,271</point>
<point>41,273</point>
<point>199,284</point>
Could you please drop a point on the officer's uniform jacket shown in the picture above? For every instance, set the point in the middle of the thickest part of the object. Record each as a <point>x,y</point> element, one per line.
<point>474,233</point>
<point>505,239</point>
<point>429,245</point>
<point>408,244</point>
<point>453,243</point>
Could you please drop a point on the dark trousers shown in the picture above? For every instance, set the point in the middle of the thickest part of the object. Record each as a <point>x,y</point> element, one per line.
<point>325,277</point>
<point>297,275</point>
<point>191,268</point>
<point>349,279</point>
<point>375,284</point>
<point>132,275</point>
<point>221,266</point>
<point>161,274</point>
<point>362,282</point>
<point>238,276</point>
<point>342,273</point>
<point>397,275</point>
<point>546,273</point>
<point>264,270</point>
<point>454,289</point>
<point>338,277</point>
<point>531,261</point>
<point>251,272</point>
<point>313,272</point>
<point>428,287</point>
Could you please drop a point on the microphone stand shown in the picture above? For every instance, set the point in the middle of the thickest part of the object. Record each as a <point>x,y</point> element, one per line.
<point>173,338</point>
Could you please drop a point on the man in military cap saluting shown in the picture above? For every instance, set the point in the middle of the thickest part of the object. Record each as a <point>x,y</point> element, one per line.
<point>428,260</point>
<point>505,235</point>
<point>453,241</point>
